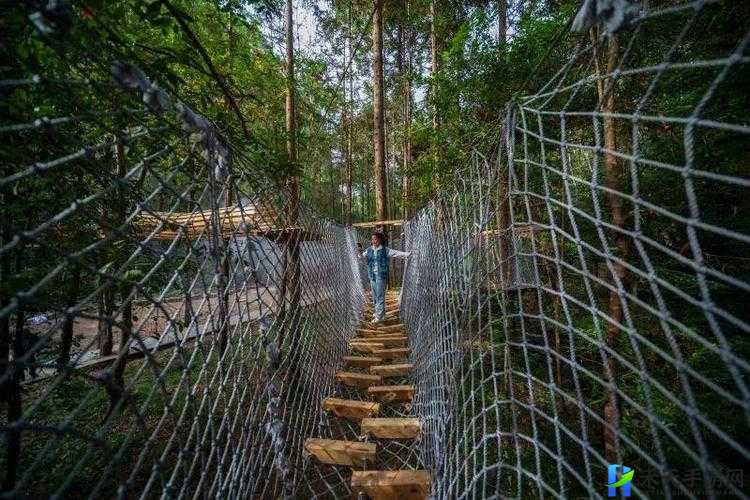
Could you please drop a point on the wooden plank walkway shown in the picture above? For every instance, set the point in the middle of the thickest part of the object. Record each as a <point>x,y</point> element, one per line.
<point>380,351</point>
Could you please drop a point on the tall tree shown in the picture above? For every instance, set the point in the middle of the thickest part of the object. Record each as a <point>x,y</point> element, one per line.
<point>349,104</point>
<point>291,122</point>
<point>502,22</point>
<point>381,207</point>
<point>405,71</point>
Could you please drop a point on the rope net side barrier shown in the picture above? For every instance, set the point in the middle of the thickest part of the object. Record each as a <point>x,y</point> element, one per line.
<point>170,318</point>
<point>580,299</point>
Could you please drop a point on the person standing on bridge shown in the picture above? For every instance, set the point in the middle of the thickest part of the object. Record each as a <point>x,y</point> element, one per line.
<point>378,259</point>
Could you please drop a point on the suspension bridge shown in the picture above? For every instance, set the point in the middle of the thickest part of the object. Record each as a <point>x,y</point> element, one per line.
<point>174,324</point>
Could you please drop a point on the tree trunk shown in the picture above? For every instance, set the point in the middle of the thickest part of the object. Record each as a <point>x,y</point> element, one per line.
<point>434,62</point>
<point>105,307</point>
<point>381,208</point>
<point>291,121</point>
<point>349,123</point>
<point>405,45</point>
<point>614,176</point>
<point>502,22</point>
<point>291,270</point>
<point>66,340</point>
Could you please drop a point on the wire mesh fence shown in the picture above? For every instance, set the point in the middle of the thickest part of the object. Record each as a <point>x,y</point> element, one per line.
<point>580,300</point>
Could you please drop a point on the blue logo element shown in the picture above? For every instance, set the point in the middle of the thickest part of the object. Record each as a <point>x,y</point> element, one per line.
<point>623,482</point>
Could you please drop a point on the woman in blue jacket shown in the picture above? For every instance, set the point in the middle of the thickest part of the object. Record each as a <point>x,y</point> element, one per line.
<point>378,258</point>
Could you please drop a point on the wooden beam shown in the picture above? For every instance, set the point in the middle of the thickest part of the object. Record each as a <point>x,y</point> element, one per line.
<point>395,353</point>
<point>362,361</point>
<point>334,452</point>
<point>373,224</point>
<point>398,370</point>
<point>392,428</point>
<point>388,393</point>
<point>392,484</point>
<point>361,380</point>
<point>351,409</point>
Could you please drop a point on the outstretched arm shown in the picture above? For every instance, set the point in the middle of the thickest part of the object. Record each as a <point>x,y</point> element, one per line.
<point>397,253</point>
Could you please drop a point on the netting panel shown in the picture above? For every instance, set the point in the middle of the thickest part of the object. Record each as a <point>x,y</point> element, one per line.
<point>170,319</point>
<point>580,300</point>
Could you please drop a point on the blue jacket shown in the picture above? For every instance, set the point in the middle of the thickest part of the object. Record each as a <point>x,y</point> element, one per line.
<point>382,263</point>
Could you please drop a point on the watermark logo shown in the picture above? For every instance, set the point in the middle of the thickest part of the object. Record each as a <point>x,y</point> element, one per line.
<point>623,482</point>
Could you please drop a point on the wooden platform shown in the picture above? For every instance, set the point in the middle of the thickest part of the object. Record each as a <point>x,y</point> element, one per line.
<point>392,485</point>
<point>334,452</point>
<point>397,370</point>
<point>351,409</point>
<point>387,393</point>
<point>380,344</point>
<point>392,428</point>
<point>375,223</point>
<point>356,379</point>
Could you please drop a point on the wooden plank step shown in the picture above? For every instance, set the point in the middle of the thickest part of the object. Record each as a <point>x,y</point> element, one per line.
<point>377,336</point>
<point>373,332</point>
<point>395,353</point>
<point>392,428</point>
<point>397,370</point>
<point>392,484</point>
<point>350,408</point>
<point>392,328</point>
<point>382,342</point>
<point>362,380</point>
<point>366,347</point>
<point>388,393</point>
<point>334,452</point>
<point>362,361</point>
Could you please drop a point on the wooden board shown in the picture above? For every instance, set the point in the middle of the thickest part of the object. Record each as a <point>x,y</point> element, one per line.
<point>398,327</point>
<point>388,393</point>
<point>376,223</point>
<point>384,338</point>
<point>362,361</point>
<point>351,409</point>
<point>362,380</point>
<point>392,484</point>
<point>371,332</point>
<point>380,342</point>
<point>392,428</point>
<point>395,353</point>
<point>397,370</point>
<point>351,453</point>
<point>366,347</point>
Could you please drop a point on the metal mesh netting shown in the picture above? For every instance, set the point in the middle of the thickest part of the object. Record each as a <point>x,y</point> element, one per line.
<point>581,298</point>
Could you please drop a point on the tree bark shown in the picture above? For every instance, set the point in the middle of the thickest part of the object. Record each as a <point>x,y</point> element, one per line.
<point>291,269</point>
<point>502,22</point>
<point>405,45</point>
<point>381,207</point>
<point>434,62</point>
<point>349,123</point>
<point>66,340</point>
<point>614,176</point>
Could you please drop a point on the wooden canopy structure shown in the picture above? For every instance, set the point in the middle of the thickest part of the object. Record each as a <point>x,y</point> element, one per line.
<point>248,219</point>
<point>374,224</point>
